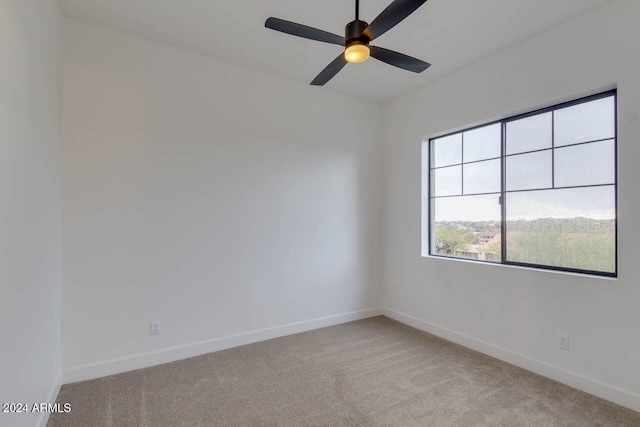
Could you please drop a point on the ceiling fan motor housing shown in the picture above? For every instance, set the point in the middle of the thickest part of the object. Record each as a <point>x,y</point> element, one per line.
<point>354,32</point>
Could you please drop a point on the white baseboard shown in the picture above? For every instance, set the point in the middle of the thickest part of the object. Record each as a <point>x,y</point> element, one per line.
<point>592,386</point>
<point>53,395</point>
<point>145,360</point>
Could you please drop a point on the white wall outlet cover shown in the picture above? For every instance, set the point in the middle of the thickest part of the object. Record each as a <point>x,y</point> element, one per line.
<point>562,341</point>
<point>155,327</point>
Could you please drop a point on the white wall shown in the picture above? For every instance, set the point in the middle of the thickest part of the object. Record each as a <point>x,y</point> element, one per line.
<point>214,198</point>
<point>30,104</point>
<point>514,313</point>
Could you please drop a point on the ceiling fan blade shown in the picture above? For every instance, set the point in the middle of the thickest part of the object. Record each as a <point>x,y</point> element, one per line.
<point>391,16</point>
<point>303,31</point>
<point>399,60</point>
<point>330,71</point>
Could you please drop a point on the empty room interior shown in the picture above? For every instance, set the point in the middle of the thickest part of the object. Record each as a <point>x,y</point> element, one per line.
<point>260,213</point>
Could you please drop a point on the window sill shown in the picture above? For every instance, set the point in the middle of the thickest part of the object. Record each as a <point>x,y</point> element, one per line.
<point>520,267</point>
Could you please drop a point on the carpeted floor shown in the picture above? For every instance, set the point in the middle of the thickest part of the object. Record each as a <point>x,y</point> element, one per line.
<point>373,372</point>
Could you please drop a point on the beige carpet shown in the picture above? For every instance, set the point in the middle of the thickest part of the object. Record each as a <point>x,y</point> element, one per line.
<point>374,372</point>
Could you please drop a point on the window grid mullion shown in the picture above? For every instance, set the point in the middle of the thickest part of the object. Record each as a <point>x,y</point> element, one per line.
<point>462,165</point>
<point>553,149</point>
<point>503,195</point>
<point>449,196</point>
<point>566,187</point>
<point>479,161</point>
<point>560,147</point>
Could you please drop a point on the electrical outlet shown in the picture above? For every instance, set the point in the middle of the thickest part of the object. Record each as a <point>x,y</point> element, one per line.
<point>155,327</point>
<point>562,341</point>
<point>358,295</point>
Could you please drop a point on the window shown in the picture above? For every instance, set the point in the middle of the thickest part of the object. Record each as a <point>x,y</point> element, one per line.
<point>536,190</point>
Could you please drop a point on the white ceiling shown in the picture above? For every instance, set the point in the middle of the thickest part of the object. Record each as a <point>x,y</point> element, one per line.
<point>449,34</point>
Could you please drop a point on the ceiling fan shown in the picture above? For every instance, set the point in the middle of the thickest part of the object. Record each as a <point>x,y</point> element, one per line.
<point>358,35</point>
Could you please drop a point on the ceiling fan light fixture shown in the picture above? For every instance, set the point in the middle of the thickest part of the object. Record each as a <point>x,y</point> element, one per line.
<point>357,52</point>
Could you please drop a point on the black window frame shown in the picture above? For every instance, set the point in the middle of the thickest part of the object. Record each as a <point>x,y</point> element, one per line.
<point>503,191</point>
